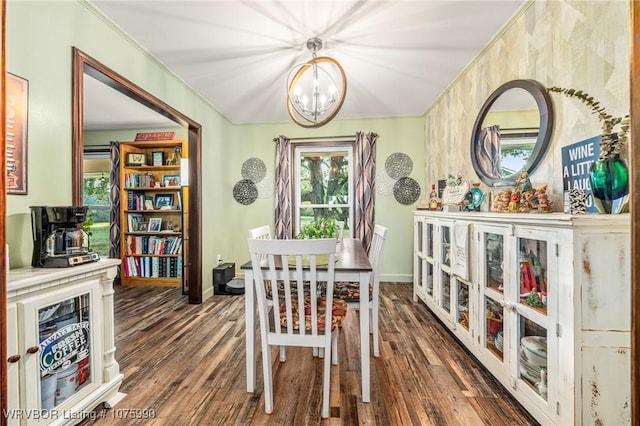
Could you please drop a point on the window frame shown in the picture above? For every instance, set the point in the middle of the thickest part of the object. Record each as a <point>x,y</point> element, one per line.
<point>323,147</point>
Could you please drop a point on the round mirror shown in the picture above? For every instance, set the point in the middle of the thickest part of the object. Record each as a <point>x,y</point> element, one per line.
<point>512,131</point>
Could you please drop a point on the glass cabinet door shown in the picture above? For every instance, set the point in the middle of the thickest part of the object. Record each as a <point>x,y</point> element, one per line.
<point>532,355</point>
<point>534,293</point>
<point>494,319</point>
<point>494,261</point>
<point>429,256</point>
<point>64,335</point>
<point>62,360</point>
<point>492,273</point>
<point>444,279</point>
<point>462,312</point>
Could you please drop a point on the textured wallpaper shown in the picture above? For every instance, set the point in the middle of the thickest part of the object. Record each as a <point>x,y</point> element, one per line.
<point>579,44</point>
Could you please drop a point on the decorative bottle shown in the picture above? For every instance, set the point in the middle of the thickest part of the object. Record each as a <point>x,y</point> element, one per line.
<point>433,198</point>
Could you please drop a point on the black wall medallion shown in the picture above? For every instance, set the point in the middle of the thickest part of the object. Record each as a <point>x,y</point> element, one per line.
<point>406,190</point>
<point>245,192</point>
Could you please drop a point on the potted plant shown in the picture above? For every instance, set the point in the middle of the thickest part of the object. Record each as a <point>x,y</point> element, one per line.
<point>609,175</point>
<point>320,228</point>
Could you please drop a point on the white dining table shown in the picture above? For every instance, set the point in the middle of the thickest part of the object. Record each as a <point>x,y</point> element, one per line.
<point>353,266</point>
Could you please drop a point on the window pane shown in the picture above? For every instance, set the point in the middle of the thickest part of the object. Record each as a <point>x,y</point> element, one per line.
<point>324,177</point>
<point>95,196</point>
<point>323,186</point>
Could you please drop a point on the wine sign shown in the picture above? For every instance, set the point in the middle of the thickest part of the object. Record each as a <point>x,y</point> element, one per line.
<point>576,163</point>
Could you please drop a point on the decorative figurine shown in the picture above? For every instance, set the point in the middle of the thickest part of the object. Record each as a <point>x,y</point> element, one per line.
<point>523,183</point>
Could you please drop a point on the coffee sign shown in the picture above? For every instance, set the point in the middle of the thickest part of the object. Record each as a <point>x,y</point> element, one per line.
<point>64,347</point>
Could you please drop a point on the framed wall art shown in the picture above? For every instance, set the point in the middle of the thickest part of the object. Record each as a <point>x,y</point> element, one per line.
<point>16,134</point>
<point>136,159</point>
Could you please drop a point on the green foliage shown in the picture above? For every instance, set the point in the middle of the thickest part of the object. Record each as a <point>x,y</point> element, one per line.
<point>320,228</point>
<point>95,189</point>
<point>611,144</point>
<point>88,223</point>
<point>534,299</point>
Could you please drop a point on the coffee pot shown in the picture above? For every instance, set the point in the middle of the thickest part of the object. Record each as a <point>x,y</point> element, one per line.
<point>58,238</point>
<point>67,241</point>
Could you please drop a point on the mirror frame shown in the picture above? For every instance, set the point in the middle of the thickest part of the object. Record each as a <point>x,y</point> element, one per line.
<point>545,108</point>
<point>83,63</point>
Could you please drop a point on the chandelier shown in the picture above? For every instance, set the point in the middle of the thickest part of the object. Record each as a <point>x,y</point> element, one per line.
<point>313,96</point>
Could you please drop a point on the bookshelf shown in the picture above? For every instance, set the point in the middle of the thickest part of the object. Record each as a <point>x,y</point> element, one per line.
<point>153,213</point>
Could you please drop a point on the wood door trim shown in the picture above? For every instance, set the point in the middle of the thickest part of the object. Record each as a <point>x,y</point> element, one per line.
<point>84,63</point>
<point>3,222</point>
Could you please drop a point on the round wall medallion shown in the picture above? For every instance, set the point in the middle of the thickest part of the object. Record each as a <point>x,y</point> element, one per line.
<point>383,183</point>
<point>398,165</point>
<point>266,186</point>
<point>245,192</point>
<point>254,169</point>
<point>406,191</point>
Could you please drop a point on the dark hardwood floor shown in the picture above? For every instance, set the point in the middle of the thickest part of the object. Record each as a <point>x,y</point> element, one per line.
<point>185,365</point>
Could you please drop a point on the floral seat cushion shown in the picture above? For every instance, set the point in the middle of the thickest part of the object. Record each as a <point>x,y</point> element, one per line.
<point>349,291</point>
<point>338,313</point>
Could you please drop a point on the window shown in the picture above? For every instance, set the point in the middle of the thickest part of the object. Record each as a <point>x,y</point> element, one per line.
<point>95,196</point>
<point>323,184</point>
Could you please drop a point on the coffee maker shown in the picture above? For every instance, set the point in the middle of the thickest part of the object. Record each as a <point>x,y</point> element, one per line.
<point>58,238</point>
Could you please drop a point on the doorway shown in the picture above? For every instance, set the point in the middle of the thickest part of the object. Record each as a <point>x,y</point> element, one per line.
<point>84,65</point>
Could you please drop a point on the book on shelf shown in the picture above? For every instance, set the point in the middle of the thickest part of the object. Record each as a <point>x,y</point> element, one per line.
<point>139,180</point>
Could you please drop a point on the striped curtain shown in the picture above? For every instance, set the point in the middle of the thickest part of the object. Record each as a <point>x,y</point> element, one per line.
<point>114,200</point>
<point>364,173</point>
<point>488,151</point>
<point>283,226</point>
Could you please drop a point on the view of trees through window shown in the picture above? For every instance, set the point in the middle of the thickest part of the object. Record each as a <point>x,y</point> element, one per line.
<point>324,186</point>
<point>96,197</point>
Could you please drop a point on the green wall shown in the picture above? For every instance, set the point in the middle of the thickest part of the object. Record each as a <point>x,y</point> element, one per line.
<point>40,36</point>
<point>401,134</point>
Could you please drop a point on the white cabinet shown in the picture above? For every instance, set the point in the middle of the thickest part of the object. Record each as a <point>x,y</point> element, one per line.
<point>61,354</point>
<point>434,283</point>
<point>544,306</point>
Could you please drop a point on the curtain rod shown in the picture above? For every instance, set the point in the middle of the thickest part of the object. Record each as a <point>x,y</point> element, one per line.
<point>317,138</point>
<point>96,147</point>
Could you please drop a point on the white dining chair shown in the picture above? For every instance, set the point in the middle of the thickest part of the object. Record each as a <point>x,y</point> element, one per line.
<point>264,233</point>
<point>300,318</point>
<point>340,225</point>
<point>350,292</point>
<point>260,233</point>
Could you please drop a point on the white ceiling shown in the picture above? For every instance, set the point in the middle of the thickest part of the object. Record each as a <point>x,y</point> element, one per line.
<point>105,108</point>
<point>398,56</point>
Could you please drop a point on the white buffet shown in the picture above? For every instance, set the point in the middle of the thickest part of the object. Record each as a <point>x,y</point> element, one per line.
<point>541,300</point>
<point>60,343</point>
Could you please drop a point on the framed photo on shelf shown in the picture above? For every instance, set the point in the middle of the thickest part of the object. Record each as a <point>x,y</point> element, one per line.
<point>136,159</point>
<point>134,219</point>
<point>171,180</point>
<point>157,158</point>
<point>142,227</point>
<point>164,201</point>
<point>155,223</point>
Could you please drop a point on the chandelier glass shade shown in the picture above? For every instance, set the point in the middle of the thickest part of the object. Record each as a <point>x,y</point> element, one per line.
<point>315,89</point>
